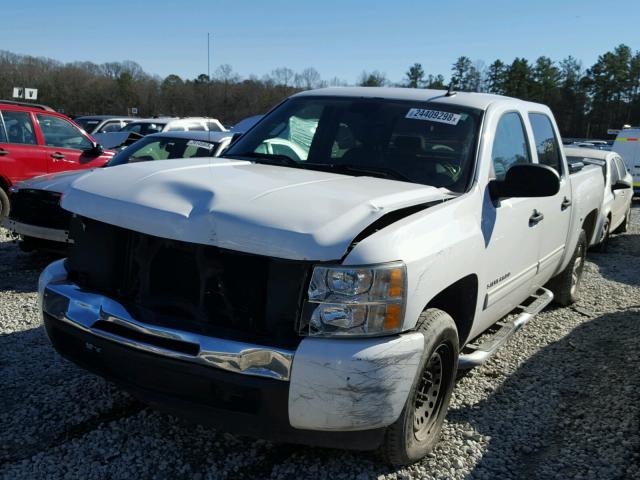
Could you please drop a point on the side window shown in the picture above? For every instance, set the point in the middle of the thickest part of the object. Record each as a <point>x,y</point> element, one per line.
<point>58,132</point>
<point>546,141</point>
<point>214,127</point>
<point>509,145</point>
<point>622,168</point>
<point>19,128</point>
<point>615,175</point>
<point>110,127</point>
<point>195,127</point>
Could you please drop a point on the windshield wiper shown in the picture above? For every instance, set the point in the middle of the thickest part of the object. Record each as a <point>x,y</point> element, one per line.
<point>276,159</point>
<point>372,171</point>
<point>268,158</point>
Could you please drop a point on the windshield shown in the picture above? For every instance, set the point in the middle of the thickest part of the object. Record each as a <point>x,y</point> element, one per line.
<point>143,128</point>
<point>419,142</point>
<point>163,148</point>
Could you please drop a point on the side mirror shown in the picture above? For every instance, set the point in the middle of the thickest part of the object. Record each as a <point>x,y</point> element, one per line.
<point>96,149</point>
<point>530,180</point>
<point>235,138</point>
<point>620,185</point>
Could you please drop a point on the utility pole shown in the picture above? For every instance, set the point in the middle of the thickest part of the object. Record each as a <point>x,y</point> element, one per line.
<point>208,57</point>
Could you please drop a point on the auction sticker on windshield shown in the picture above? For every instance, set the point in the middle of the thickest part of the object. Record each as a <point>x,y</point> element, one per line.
<point>198,144</point>
<point>433,116</point>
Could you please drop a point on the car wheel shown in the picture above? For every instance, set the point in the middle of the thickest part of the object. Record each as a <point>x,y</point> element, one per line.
<point>603,241</point>
<point>417,430</point>
<point>4,204</point>
<point>622,228</point>
<point>566,285</point>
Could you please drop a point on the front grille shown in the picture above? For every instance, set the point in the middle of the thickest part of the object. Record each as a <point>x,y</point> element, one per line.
<point>191,287</point>
<point>40,208</point>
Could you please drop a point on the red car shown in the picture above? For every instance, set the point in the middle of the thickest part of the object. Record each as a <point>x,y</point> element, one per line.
<point>34,140</point>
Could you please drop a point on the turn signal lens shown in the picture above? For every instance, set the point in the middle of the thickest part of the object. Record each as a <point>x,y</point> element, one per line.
<point>396,283</point>
<point>393,318</point>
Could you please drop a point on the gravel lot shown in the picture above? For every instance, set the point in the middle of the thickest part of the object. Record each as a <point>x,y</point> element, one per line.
<point>560,401</point>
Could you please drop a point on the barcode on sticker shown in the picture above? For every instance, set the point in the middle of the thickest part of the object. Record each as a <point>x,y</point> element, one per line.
<point>196,143</point>
<point>434,116</point>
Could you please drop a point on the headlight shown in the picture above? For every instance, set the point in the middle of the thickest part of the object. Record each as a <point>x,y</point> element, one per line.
<point>362,300</point>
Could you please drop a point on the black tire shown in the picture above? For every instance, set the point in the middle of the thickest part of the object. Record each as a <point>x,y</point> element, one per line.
<point>4,204</point>
<point>26,244</point>
<point>603,241</point>
<point>566,285</point>
<point>417,430</point>
<point>622,228</point>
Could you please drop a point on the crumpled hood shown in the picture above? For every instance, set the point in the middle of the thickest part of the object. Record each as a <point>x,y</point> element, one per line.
<point>268,210</point>
<point>52,182</point>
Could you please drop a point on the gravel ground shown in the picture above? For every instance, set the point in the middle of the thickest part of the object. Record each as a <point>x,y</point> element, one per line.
<point>560,401</point>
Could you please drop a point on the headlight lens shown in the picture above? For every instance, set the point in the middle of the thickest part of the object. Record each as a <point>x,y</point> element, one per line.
<point>362,301</point>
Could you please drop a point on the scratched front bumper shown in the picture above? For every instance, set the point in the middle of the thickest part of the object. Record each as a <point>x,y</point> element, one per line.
<point>346,385</point>
<point>334,385</point>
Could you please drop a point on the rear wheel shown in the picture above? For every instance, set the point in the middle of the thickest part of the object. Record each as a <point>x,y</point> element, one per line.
<point>4,204</point>
<point>566,285</point>
<point>417,430</point>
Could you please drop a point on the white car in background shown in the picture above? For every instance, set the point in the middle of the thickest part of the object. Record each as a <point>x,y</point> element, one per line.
<point>146,126</point>
<point>627,145</point>
<point>93,124</point>
<point>618,191</point>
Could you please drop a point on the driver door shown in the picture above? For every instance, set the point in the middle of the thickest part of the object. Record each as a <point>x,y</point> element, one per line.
<point>512,240</point>
<point>66,147</point>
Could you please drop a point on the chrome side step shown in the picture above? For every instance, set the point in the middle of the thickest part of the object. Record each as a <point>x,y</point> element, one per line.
<point>474,355</point>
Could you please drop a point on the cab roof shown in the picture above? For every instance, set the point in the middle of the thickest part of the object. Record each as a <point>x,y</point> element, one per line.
<point>468,99</point>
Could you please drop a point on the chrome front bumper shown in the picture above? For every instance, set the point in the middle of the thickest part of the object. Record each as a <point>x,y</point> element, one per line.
<point>35,231</point>
<point>334,384</point>
<point>87,311</point>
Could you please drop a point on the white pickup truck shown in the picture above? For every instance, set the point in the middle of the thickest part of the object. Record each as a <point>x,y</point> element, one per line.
<point>324,280</point>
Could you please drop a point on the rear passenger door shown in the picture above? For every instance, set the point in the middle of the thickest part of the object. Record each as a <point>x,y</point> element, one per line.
<point>66,146</point>
<point>20,155</point>
<point>556,209</point>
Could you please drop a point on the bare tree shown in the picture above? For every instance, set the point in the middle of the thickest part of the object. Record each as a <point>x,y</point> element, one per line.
<point>308,79</point>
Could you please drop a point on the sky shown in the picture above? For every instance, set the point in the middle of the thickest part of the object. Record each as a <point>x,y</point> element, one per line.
<point>338,38</point>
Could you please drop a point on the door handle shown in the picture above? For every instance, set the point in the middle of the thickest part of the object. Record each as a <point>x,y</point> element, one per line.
<point>57,156</point>
<point>4,152</point>
<point>535,218</point>
<point>566,203</point>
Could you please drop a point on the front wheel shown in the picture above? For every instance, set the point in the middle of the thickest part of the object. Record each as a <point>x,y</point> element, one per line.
<point>566,285</point>
<point>623,227</point>
<point>417,430</point>
<point>603,241</point>
<point>4,204</point>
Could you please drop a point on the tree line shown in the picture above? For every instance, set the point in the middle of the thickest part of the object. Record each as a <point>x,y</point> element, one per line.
<point>586,102</point>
